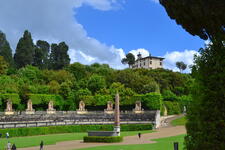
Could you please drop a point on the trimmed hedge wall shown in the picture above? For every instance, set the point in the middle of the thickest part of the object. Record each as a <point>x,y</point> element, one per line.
<point>172,107</point>
<point>16,132</point>
<point>103,139</point>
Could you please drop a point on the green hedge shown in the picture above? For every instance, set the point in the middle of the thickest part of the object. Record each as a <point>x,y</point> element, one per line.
<point>172,107</point>
<point>103,139</point>
<point>153,101</point>
<point>15,132</point>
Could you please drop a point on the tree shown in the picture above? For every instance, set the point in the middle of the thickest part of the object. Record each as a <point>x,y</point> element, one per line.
<point>59,57</point>
<point>5,49</point>
<point>206,116</point>
<point>205,19</point>
<point>41,54</point>
<point>181,65</point>
<point>130,59</point>
<point>95,83</point>
<point>24,54</point>
<point>3,65</point>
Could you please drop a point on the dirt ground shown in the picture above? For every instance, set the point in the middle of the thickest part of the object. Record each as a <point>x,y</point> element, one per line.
<point>162,132</point>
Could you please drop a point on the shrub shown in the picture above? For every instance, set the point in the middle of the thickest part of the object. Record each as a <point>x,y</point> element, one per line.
<point>16,132</point>
<point>103,139</point>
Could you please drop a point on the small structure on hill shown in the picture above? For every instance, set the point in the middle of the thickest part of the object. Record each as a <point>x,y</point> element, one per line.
<point>138,109</point>
<point>30,109</point>
<point>51,109</point>
<point>9,110</point>
<point>81,109</point>
<point>109,109</point>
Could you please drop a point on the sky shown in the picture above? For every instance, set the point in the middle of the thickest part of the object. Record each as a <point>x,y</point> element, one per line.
<point>102,31</point>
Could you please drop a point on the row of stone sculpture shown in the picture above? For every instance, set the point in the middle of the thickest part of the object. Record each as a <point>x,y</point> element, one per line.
<point>81,110</point>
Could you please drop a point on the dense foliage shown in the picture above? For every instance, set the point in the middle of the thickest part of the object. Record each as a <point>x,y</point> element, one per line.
<point>42,73</point>
<point>206,116</point>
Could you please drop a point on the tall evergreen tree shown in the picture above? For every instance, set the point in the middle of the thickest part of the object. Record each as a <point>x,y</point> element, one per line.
<point>5,49</point>
<point>59,57</point>
<point>41,54</point>
<point>206,117</point>
<point>24,51</point>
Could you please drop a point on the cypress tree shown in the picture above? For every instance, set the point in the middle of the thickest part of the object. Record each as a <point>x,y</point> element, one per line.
<point>5,49</point>
<point>24,51</point>
<point>59,57</point>
<point>41,54</point>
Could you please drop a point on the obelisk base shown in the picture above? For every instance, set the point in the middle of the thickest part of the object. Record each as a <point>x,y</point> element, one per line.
<point>117,130</point>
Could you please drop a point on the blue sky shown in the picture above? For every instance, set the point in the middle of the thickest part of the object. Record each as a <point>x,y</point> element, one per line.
<point>137,24</point>
<point>101,31</point>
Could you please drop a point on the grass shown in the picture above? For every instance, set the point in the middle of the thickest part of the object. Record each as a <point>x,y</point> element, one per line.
<point>179,122</point>
<point>53,138</point>
<point>162,144</point>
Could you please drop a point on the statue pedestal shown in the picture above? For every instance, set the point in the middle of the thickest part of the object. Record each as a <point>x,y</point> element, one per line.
<point>108,111</point>
<point>30,112</point>
<point>82,111</point>
<point>9,112</point>
<point>51,111</point>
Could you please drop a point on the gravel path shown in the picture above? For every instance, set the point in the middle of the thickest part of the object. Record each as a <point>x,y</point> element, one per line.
<point>146,138</point>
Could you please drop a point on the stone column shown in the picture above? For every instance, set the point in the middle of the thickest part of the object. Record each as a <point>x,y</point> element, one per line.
<point>117,115</point>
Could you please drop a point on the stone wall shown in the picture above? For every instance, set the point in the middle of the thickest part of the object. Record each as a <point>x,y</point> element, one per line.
<point>20,119</point>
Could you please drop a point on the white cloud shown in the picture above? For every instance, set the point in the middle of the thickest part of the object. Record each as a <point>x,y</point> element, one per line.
<point>172,57</point>
<point>55,21</point>
<point>142,51</point>
<point>155,1</point>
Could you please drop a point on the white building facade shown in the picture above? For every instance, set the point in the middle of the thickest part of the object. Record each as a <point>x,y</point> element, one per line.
<point>150,62</point>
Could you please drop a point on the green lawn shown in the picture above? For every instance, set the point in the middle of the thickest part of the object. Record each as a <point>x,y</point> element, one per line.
<point>162,144</point>
<point>53,138</point>
<point>179,121</point>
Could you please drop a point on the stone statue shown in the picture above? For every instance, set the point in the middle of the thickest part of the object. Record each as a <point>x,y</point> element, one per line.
<point>9,110</point>
<point>50,105</point>
<point>81,109</point>
<point>82,106</point>
<point>138,108</point>
<point>51,109</point>
<point>109,105</point>
<point>109,109</point>
<point>29,106</point>
<point>29,109</point>
<point>9,106</point>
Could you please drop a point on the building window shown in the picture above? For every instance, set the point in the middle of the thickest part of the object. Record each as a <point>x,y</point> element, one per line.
<point>150,62</point>
<point>160,63</point>
<point>144,63</point>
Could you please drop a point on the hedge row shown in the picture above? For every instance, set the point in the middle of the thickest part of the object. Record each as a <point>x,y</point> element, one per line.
<point>16,132</point>
<point>103,139</point>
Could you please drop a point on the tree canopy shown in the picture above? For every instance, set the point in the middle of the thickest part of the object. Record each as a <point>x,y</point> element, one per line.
<point>130,59</point>
<point>5,49</point>
<point>204,18</point>
<point>181,65</point>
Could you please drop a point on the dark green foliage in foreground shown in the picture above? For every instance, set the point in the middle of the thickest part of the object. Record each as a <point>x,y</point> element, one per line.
<point>198,17</point>
<point>206,119</point>
<point>206,116</point>
<point>16,132</point>
<point>103,139</point>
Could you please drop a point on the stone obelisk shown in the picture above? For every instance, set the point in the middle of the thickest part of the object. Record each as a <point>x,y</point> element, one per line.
<point>117,115</point>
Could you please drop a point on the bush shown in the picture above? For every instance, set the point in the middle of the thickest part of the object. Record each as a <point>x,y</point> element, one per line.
<point>153,101</point>
<point>172,107</point>
<point>16,132</point>
<point>103,139</point>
